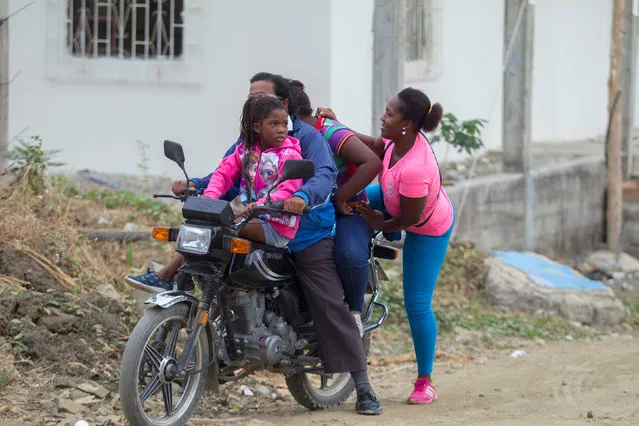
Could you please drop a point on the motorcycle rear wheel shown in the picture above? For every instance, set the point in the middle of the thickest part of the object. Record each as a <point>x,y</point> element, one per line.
<point>305,391</point>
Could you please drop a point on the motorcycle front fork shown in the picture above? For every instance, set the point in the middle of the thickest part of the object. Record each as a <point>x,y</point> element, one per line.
<point>198,319</point>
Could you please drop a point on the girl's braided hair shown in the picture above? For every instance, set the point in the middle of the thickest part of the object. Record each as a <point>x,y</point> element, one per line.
<point>256,108</point>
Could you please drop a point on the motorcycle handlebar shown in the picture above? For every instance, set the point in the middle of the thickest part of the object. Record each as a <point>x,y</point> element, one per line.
<point>275,208</point>
<point>175,197</point>
<point>279,205</point>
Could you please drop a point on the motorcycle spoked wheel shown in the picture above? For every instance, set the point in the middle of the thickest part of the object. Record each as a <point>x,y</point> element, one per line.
<point>173,401</point>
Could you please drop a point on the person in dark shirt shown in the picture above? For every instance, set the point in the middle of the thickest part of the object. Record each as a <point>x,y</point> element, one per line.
<point>357,166</point>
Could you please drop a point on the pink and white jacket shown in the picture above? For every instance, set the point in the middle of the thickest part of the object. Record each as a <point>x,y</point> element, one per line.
<point>259,171</point>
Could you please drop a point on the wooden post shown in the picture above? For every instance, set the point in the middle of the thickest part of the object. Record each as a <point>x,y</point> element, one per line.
<point>629,95</point>
<point>614,208</point>
<point>4,83</point>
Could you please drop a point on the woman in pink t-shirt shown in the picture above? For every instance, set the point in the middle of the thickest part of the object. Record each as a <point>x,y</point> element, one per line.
<point>410,198</point>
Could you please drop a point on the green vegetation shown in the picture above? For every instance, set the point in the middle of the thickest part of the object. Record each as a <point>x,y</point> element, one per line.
<point>463,136</point>
<point>458,304</point>
<point>29,161</point>
<point>633,313</point>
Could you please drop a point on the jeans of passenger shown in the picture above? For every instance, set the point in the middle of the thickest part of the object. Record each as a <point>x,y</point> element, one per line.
<point>352,238</point>
<point>423,257</point>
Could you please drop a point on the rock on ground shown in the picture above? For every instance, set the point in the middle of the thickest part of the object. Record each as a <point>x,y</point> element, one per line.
<point>507,285</point>
<point>606,261</point>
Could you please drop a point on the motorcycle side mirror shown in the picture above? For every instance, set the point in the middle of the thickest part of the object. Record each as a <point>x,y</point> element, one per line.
<point>298,169</point>
<point>174,152</point>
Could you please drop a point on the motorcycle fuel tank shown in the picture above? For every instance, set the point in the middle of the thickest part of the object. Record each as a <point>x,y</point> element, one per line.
<point>262,268</point>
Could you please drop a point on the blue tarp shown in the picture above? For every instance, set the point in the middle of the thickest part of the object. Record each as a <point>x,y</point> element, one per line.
<point>545,273</point>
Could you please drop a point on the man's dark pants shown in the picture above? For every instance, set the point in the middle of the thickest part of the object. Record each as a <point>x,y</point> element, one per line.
<point>340,344</point>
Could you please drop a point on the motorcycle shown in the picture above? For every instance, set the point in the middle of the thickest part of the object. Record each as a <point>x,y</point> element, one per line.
<point>250,314</point>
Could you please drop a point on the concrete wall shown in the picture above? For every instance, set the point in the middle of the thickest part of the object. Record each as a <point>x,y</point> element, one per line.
<point>95,117</point>
<point>571,61</point>
<point>630,227</point>
<point>569,209</point>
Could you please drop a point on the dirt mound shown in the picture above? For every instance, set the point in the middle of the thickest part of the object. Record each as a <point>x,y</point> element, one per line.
<point>74,334</point>
<point>14,263</point>
<point>45,318</point>
<point>54,340</point>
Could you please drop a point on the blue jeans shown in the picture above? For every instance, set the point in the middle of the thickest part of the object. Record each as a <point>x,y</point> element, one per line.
<point>352,238</point>
<point>423,257</point>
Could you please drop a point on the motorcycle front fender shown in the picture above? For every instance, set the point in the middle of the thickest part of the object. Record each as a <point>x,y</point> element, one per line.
<point>170,298</point>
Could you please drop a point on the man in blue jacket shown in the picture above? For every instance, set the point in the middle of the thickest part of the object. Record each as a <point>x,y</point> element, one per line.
<point>313,248</point>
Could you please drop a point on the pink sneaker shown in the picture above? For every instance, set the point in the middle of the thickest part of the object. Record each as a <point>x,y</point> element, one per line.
<point>424,392</point>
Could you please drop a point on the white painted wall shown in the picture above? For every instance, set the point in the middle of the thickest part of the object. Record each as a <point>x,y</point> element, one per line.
<point>96,124</point>
<point>472,50</point>
<point>352,62</point>
<point>470,82</point>
<point>328,46</point>
<point>571,62</point>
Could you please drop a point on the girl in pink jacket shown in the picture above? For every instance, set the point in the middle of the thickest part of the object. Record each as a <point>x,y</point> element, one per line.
<point>259,160</point>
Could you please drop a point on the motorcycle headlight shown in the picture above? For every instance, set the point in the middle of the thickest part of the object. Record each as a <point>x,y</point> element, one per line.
<point>193,239</point>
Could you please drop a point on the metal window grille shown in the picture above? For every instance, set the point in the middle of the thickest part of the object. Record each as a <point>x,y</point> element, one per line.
<point>419,30</point>
<point>145,29</point>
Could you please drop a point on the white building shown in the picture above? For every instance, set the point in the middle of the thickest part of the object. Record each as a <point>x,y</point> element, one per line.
<point>89,79</point>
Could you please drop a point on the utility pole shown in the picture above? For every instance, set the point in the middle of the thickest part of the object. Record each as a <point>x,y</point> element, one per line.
<point>388,55</point>
<point>519,32</point>
<point>4,83</point>
<point>629,95</point>
<point>614,208</point>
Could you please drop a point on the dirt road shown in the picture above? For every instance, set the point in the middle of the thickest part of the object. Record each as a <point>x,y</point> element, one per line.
<point>559,383</point>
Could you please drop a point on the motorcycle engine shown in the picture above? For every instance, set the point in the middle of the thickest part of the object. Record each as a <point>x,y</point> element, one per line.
<point>264,336</point>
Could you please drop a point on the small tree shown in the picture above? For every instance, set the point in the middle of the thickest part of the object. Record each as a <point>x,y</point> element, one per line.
<point>29,161</point>
<point>463,136</point>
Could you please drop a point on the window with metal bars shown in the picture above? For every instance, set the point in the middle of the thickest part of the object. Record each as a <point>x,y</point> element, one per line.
<point>423,54</point>
<point>144,29</point>
<point>419,30</point>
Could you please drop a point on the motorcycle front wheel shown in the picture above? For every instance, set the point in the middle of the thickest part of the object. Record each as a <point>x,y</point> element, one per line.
<point>150,392</point>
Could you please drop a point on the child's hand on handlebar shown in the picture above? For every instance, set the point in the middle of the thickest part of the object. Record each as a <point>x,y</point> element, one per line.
<point>248,210</point>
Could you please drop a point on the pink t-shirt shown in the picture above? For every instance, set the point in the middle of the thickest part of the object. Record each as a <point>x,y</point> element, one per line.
<point>413,176</point>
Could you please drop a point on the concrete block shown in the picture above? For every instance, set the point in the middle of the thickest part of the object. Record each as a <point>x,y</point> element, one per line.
<point>535,284</point>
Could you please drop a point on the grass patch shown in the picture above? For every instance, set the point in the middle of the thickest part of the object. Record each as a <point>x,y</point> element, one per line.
<point>143,206</point>
<point>146,206</point>
<point>458,304</point>
<point>479,316</point>
<point>46,225</point>
<point>632,316</point>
